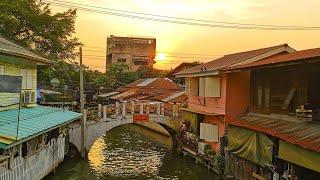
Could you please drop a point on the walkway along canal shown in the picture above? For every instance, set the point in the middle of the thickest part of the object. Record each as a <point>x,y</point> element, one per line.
<point>125,152</point>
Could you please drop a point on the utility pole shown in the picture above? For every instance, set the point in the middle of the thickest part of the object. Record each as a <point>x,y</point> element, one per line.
<point>83,153</point>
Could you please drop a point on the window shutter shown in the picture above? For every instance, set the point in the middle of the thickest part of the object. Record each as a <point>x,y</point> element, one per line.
<point>187,86</point>
<point>209,132</point>
<point>29,79</point>
<point>24,78</point>
<point>1,70</point>
<point>202,88</point>
<point>213,87</point>
<point>194,86</point>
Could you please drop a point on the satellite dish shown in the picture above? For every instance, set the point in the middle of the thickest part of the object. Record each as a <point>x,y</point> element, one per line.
<point>54,82</point>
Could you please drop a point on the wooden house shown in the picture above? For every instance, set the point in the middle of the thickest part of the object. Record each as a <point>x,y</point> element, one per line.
<point>212,95</point>
<point>280,133</point>
<point>32,137</point>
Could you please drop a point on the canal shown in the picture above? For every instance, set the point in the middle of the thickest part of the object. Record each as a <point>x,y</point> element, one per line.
<point>125,152</point>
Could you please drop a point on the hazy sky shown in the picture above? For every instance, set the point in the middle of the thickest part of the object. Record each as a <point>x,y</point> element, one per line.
<point>93,28</point>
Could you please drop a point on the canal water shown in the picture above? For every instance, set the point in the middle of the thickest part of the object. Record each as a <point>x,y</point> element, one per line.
<point>126,153</point>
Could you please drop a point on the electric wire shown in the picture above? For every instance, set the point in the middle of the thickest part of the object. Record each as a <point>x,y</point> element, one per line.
<point>176,20</point>
<point>223,24</point>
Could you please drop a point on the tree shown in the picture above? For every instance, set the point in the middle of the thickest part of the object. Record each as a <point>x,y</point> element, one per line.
<point>149,72</point>
<point>32,24</point>
<point>118,74</point>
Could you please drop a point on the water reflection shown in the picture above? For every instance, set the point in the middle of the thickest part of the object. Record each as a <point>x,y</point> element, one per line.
<point>125,154</point>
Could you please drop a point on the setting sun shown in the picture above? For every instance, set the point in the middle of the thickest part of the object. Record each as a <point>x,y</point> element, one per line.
<point>161,57</point>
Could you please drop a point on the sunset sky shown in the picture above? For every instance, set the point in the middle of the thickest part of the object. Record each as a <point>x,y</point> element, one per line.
<point>174,39</point>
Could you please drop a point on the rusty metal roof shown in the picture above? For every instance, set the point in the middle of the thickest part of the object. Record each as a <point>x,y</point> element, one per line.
<point>284,58</point>
<point>228,60</point>
<point>301,133</point>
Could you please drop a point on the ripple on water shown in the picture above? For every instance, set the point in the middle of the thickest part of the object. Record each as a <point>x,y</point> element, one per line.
<point>123,154</point>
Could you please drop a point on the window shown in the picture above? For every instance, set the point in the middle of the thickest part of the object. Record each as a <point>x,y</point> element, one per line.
<point>122,60</point>
<point>213,87</point>
<point>194,86</point>
<point>1,70</point>
<point>136,62</point>
<point>187,86</point>
<point>209,132</point>
<point>202,86</point>
<point>26,78</point>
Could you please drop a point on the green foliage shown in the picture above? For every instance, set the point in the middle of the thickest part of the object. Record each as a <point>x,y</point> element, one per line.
<point>208,151</point>
<point>219,163</point>
<point>33,25</point>
<point>148,72</point>
<point>118,74</point>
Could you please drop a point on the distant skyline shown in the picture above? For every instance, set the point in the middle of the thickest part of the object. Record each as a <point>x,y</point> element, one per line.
<point>92,28</point>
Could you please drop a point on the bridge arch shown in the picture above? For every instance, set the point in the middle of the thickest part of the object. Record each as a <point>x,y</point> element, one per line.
<point>96,129</point>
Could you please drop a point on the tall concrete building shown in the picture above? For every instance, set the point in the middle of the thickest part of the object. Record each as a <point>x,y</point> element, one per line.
<point>134,51</point>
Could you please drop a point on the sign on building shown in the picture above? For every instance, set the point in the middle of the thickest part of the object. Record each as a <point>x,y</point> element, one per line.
<point>209,132</point>
<point>10,87</point>
<point>10,84</point>
<point>140,118</point>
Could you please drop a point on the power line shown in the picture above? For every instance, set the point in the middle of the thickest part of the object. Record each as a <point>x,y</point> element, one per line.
<point>177,20</point>
<point>132,14</point>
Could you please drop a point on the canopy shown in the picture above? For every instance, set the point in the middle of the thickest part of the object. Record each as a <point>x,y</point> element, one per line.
<point>300,156</point>
<point>250,145</point>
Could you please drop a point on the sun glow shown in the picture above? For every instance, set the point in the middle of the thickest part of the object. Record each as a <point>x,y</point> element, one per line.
<point>161,57</point>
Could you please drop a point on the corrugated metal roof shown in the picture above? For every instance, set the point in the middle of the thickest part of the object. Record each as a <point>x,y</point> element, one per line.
<point>303,134</point>
<point>228,60</point>
<point>33,121</point>
<point>108,94</point>
<point>158,83</point>
<point>173,96</point>
<point>147,81</point>
<point>10,48</point>
<point>285,58</point>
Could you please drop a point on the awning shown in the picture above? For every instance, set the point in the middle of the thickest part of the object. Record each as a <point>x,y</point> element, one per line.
<point>306,135</point>
<point>299,156</point>
<point>250,145</point>
<point>33,122</point>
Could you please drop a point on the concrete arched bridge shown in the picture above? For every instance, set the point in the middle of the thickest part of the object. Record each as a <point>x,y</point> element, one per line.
<point>104,118</point>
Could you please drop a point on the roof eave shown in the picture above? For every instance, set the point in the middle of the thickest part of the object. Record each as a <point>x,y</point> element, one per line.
<point>199,74</point>
<point>42,61</point>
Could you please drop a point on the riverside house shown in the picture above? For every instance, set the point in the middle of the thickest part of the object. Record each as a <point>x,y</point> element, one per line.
<point>33,138</point>
<point>279,136</point>
<point>212,95</point>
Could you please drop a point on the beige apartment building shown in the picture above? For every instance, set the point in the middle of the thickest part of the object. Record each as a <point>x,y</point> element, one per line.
<point>134,51</point>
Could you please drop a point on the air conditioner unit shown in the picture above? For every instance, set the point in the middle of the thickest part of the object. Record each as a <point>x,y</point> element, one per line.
<point>28,97</point>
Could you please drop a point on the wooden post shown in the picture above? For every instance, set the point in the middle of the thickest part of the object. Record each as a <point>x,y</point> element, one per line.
<point>148,109</point>
<point>141,108</point>
<point>117,107</point>
<point>162,109</point>
<point>83,154</point>
<point>104,112</point>
<point>99,110</point>
<point>132,107</point>
<point>124,108</point>
<point>85,133</point>
<point>158,108</point>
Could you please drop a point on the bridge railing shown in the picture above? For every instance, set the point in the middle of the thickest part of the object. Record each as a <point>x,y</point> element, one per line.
<point>129,108</point>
